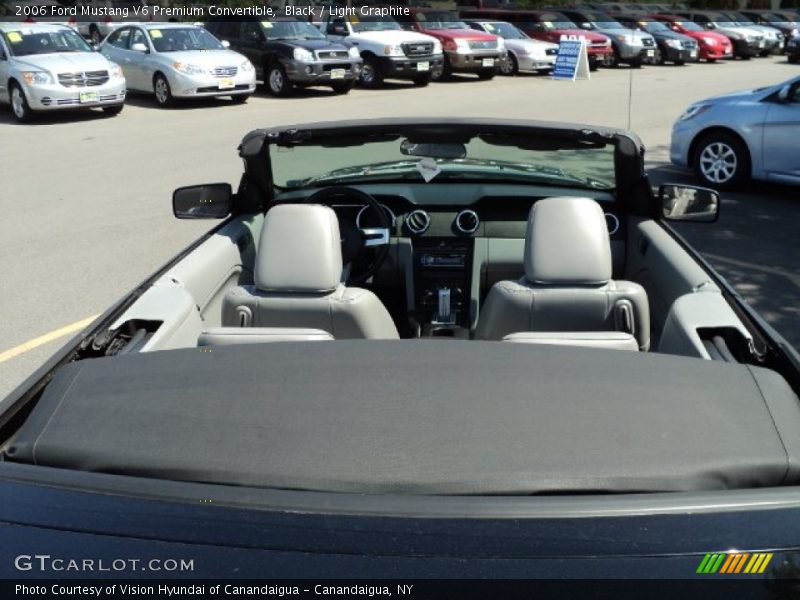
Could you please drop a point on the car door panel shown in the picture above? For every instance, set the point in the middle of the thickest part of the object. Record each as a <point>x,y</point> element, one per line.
<point>780,140</point>
<point>5,62</point>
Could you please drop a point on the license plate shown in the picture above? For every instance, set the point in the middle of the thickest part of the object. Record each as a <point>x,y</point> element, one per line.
<point>651,53</point>
<point>85,97</point>
<point>337,73</point>
<point>423,66</point>
<point>487,62</point>
<point>761,44</point>
<point>693,53</point>
<point>226,84</point>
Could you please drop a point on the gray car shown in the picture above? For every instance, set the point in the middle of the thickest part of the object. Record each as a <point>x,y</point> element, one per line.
<point>631,46</point>
<point>751,134</point>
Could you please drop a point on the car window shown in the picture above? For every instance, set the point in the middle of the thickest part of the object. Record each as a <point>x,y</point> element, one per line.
<point>179,39</point>
<point>138,37</point>
<point>24,43</point>
<point>120,38</point>
<point>251,32</point>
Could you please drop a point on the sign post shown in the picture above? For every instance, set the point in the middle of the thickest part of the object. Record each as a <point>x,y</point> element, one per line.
<point>572,61</point>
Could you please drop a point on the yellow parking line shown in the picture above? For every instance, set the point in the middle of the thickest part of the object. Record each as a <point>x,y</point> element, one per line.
<point>43,339</point>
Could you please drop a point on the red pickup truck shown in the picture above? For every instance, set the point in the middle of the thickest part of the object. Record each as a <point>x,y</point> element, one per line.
<point>549,26</point>
<point>465,50</point>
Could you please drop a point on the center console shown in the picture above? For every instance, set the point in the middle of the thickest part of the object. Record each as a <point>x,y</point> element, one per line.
<point>442,274</point>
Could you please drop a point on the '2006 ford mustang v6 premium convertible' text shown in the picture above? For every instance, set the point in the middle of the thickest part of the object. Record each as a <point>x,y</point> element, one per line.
<point>411,348</point>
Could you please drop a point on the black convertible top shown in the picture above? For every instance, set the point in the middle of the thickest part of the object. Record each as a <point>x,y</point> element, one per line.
<point>427,417</point>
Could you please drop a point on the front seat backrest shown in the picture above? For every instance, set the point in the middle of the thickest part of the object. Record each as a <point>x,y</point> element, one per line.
<point>567,285</point>
<point>297,280</point>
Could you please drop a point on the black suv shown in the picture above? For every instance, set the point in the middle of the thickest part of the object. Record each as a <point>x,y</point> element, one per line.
<point>289,52</point>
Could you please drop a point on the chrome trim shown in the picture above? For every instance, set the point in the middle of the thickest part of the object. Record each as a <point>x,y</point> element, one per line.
<point>392,216</point>
<point>424,215</point>
<point>615,228</point>
<point>463,229</point>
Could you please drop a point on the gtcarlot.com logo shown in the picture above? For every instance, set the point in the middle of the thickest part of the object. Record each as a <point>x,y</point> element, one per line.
<point>47,563</point>
<point>732,563</point>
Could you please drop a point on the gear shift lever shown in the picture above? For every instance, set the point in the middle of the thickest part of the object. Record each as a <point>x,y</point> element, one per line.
<point>443,314</point>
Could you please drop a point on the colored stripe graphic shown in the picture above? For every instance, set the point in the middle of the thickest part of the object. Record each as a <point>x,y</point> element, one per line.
<point>734,562</point>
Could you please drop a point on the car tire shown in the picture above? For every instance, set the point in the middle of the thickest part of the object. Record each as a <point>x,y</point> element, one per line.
<point>486,74</point>
<point>509,67</point>
<point>240,98</point>
<point>613,60</point>
<point>445,73</point>
<point>721,160</point>
<point>680,63</point>
<point>19,104</point>
<point>593,65</point>
<point>711,61</point>
<point>342,87</point>
<point>112,111</point>
<point>659,58</point>
<point>422,80</point>
<point>277,81</point>
<point>371,74</point>
<point>793,59</point>
<point>765,53</point>
<point>162,91</point>
<point>636,63</point>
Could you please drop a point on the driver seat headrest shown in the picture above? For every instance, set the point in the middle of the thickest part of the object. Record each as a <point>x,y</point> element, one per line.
<point>567,243</point>
<point>299,250</point>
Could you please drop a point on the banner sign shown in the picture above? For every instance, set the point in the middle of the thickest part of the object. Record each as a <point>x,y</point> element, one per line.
<point>572,61</point>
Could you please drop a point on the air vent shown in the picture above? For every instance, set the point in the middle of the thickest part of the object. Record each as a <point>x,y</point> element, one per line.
<point>418,221</point>
<point>612,222</point>
<point>467,221</point>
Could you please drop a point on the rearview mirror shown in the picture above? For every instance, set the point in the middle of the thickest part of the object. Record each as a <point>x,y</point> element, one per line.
<point>409,148</point>
<point>209,201</point>
<point>139,48</point>
<point>688,203</point>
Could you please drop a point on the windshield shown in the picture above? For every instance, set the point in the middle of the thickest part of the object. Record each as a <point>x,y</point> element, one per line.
<point>603,21</point>
<point>183,38</point>
<point>291,30</point>
<point>589,167</point>
<point>373,23</point>
<point>653,26</point>
<point>26,43</point>
<point>555,21</point>
<point>689,25</point>
<point>505,30</point>
<point>440,20</point>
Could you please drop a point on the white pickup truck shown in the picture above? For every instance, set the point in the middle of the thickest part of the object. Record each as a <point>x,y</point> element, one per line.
<point>389,51</point>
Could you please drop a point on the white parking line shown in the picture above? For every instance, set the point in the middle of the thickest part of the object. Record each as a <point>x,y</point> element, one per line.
<point>43,339</point>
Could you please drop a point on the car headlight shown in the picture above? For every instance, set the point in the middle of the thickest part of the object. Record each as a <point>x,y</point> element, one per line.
<point>462,46</point>
<point>115,72</point>
<point>674,44</point>
<point>34,77</point>
<point>709,41</point>
<point>353,52</point>
<point>303,55</point>
<point>393,50</point>
<point>693,111</point>
<point>794,33</point>
<point>621,38</point>
<point>437,47</point>
<point>188,69</point>
<point>750,38</point>
<point>246,66</point>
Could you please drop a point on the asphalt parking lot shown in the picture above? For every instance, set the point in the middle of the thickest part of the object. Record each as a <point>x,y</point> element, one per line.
<point>86,199</point>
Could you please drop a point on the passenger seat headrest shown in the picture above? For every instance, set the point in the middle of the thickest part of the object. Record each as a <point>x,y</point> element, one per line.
<point>567,243</point>
<point>299,250</point>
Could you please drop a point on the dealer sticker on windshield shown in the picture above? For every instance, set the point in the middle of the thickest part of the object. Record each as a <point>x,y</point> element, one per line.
<point>225,84</point>
<point>14,37</point>
<point>428,168</point>
<point>488,62</point>
<point>337,73</point>
<point>423,66</point>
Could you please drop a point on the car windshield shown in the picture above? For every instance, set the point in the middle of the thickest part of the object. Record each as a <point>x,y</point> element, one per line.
<point>27,42</point>
<point>603,21</point>
<point>373,23</point>
<point>653,26</point>
<point>291,30</point>
<point>689,25</point>
<point>440,20</point>
<point>178,39</point>
<point>505,30</point>
<point>555,21</point>
<point>590,167</point>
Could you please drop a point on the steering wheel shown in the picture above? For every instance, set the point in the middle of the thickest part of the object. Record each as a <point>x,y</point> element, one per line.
<point>365,249</point>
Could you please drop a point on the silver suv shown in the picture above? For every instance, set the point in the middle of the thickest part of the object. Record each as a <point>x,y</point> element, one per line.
<point>45,66</point>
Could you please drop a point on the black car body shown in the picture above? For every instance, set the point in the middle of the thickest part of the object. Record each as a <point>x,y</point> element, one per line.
<point>672,46</point>
<point>378,458</point>
<point>793,50</point>
<point>290,52</point>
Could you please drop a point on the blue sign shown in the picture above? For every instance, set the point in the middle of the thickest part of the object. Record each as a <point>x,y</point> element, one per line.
<point>570,60</point>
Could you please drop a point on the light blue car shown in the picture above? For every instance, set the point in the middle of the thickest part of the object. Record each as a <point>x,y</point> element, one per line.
<point>732,138</point>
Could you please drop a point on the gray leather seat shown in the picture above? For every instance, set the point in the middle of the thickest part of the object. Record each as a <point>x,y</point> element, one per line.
<point>607,340</point>
<point>567,285</point>
<point>297,276</point>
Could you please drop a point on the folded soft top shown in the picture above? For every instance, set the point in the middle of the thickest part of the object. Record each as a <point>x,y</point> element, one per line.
<point>422,417</point>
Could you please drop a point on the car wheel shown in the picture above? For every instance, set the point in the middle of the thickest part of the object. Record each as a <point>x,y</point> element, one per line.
<point>240,98</point>
<point>636,63</point>
<point>486,74</point>
<point>342,87</point>
<point>510,66</point>
<point>659,58</point>
<point>765,53</point>
<point>94,35</point>
<point>593,65</point>
<point>711,61</point>
<point>680,63</point>
<point>445,73</point>
<point>613,60</point>
<point>722,160</point>
<point>112,111</point>
<point>19,104</point>
<point>162,91</point>
<point>278,83</point>
<point>793,59</point>
<point>422,80</point>
<point>371,76</point>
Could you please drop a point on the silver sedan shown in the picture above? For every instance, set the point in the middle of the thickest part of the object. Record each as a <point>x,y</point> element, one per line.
<point>752,134</point>
<point>176,60</point>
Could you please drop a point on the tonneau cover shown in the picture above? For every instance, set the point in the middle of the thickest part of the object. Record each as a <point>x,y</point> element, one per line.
<point>427,417</point>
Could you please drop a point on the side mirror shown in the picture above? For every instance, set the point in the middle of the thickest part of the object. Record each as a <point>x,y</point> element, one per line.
<point>209,201</point>
<point>340,30</point>
<point>586,25</point>
<point>710,26</point>
<point>139,48</point>
<point>688,203</point>
<point>96,47</point>
<point>226,44</point>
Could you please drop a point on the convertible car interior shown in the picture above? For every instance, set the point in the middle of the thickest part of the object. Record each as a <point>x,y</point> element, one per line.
<point>508,295</point>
